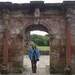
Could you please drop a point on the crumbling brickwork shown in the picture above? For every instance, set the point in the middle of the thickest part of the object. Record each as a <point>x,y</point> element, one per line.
<point>16,22</point>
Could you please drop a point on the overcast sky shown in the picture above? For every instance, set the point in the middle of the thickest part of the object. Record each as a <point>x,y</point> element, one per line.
<point>27,1</point>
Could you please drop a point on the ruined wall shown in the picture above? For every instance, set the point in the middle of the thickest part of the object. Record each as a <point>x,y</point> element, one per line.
<point>1,40</point>
<point>57,24</point>
<point>16,41</point>
<point>73,40</point>
<point>19,38</point>
<point>51,19</point>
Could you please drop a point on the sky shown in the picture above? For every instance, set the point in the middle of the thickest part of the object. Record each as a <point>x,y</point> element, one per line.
<point>38,32</point>
<point>28,1</point>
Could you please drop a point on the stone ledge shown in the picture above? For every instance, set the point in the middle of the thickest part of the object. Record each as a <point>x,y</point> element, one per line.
<point>46,52</point>
<point>42,52</point>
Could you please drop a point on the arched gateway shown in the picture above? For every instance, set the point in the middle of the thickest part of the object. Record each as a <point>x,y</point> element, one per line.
<point>16,20</point>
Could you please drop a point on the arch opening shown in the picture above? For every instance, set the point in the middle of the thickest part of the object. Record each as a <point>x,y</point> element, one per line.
<point>37,27</point>
<point>44,54</point>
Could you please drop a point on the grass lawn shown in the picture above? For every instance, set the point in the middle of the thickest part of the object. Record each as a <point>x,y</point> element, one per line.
<point>43,47</point>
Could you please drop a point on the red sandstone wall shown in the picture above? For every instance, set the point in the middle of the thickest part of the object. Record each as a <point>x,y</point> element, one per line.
<point>18,39</point>
<point>1,42</point>
<point>73,41</point>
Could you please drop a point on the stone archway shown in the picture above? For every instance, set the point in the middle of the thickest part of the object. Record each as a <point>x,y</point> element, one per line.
<point>26,43</point>
<point>31,28</point>
<point>59,21</point>
<point>56,46</point>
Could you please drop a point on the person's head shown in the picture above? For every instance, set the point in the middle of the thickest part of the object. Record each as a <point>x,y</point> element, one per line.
<point>33,45</point>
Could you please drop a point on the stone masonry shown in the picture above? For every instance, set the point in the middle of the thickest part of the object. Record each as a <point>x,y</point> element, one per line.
<point>16,22</point>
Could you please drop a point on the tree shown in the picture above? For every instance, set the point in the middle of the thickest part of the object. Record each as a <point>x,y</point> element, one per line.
<point>40,40</point>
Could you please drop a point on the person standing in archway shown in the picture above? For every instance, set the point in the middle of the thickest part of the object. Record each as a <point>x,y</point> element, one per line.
<point>34,55</point>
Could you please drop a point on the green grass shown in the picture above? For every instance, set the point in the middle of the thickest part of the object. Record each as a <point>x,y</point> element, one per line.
<point>43,47</point>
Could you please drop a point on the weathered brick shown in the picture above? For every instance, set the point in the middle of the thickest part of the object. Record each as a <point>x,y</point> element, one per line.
<point>22,20</point>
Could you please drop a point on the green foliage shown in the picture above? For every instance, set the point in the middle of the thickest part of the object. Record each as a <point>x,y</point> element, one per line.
<point>40,40</point>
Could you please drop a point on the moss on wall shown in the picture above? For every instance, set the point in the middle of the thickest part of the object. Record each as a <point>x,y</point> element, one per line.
<point>56,70</point>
